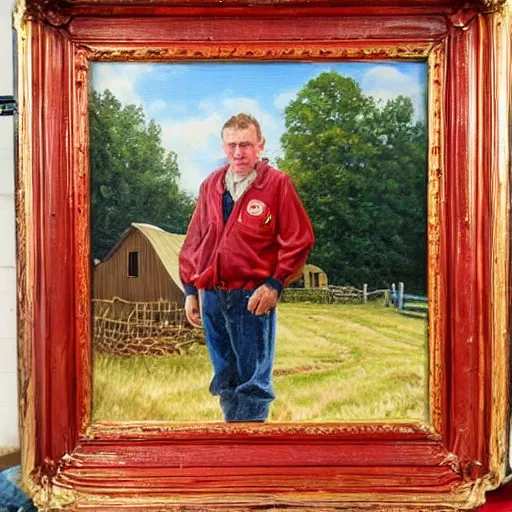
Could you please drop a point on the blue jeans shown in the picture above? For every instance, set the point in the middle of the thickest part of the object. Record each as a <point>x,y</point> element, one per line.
<point>241,347</point>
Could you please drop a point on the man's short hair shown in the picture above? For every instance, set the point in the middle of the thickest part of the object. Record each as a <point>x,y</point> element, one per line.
<point>242,121</point>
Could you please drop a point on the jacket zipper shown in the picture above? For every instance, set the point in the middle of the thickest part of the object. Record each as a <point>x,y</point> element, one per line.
<point>227,227</point>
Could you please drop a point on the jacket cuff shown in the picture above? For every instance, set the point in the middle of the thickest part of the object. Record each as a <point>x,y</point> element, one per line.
<point>190,289</point>
<point>275,283</point>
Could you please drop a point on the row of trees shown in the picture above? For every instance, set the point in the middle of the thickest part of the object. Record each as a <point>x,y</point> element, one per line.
<point>359,168</point>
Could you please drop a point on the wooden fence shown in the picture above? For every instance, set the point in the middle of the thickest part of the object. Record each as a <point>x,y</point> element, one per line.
<point>153,328</point>
<point>407,303</point>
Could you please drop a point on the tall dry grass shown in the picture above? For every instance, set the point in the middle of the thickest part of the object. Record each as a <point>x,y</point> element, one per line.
<point>333,363</point>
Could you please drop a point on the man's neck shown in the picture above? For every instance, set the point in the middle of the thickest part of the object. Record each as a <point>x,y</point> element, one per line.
<point>237,184</point>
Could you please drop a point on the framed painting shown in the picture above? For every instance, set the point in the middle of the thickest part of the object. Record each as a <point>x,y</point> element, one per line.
<point>392,119</point>
<point>334,344</point>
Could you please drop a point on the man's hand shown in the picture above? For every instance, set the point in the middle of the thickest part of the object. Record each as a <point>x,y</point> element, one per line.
<point>192,310</point>
<point>262,300</point>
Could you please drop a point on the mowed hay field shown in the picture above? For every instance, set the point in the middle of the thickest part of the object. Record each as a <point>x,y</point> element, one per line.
<point>334,362</point>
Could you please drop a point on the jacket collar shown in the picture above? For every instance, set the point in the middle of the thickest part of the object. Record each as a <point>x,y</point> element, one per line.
<point>261,168</point>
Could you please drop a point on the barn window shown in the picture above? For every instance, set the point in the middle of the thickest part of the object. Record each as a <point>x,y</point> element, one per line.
<point>133,264</point>
<point>316,278</point>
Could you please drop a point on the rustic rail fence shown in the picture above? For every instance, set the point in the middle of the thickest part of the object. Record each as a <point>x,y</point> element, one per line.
<point>129,328</point>
<point>408,303</point>
<point>405,303</point>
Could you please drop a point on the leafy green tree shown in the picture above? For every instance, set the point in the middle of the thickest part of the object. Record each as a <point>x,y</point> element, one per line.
<point>134,179</point>
<point>360,170</point>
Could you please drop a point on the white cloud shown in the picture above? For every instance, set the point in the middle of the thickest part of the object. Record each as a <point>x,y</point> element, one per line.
<point>196,140</point>
<point>191,133</point>
<point>191,173</point>
<point>120,79</point>
<point>282,100</point>
<point>385,83</point>
<point>157,106</point>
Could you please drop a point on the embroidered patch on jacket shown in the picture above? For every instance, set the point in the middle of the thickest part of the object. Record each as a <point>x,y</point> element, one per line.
<point>255,207</point>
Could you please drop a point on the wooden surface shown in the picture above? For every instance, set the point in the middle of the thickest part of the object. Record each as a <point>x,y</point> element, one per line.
<point>10,459</point>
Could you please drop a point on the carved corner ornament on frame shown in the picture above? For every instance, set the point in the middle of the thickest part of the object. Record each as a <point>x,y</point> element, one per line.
<point>446,463</point>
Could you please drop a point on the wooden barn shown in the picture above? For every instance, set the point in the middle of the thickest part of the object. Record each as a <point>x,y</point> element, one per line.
<point>141,267</point>
<point>314,277</point>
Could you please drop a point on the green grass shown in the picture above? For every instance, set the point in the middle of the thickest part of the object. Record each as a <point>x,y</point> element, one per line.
<point>333,363</point>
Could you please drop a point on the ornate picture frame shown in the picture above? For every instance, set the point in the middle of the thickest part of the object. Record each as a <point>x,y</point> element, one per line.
<point>448,462</point>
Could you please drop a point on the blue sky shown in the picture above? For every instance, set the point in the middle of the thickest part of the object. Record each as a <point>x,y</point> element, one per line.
<point>191,101</point>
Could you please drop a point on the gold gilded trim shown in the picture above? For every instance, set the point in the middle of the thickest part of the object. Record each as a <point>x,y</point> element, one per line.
<point>493,5</point>
<point>467,498</point>
<point>436,92</point>
<point>25,249</point>
<point>499,27</point>
<point>135,429</point>
<point>46,495</point>
<point>198,51</point>
<point>45,11</point>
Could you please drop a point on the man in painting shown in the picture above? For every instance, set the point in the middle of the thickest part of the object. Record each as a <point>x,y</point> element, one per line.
<point>249,237</point>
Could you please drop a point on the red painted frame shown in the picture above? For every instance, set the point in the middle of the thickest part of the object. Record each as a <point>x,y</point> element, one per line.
<point>448,463</point>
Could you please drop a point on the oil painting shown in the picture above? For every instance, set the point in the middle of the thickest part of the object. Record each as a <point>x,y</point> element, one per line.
<point>351,340</point>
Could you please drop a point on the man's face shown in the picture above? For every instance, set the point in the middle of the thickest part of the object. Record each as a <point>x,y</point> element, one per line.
<point>242,148</point>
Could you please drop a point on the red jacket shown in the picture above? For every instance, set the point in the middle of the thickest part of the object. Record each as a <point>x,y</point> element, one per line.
<point>267,235</point>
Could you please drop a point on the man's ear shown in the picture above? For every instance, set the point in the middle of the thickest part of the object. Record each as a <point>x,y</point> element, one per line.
<point>262,144</point>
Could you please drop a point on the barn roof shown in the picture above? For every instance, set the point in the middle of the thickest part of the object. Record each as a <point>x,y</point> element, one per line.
<point>166,245</point>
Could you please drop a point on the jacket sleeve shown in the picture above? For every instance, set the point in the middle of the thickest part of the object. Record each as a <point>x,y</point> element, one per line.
<point>294,235</point>
<point>188,258</point>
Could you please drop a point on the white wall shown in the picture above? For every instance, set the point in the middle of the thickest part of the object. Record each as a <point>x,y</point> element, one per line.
<point>8,365</point>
